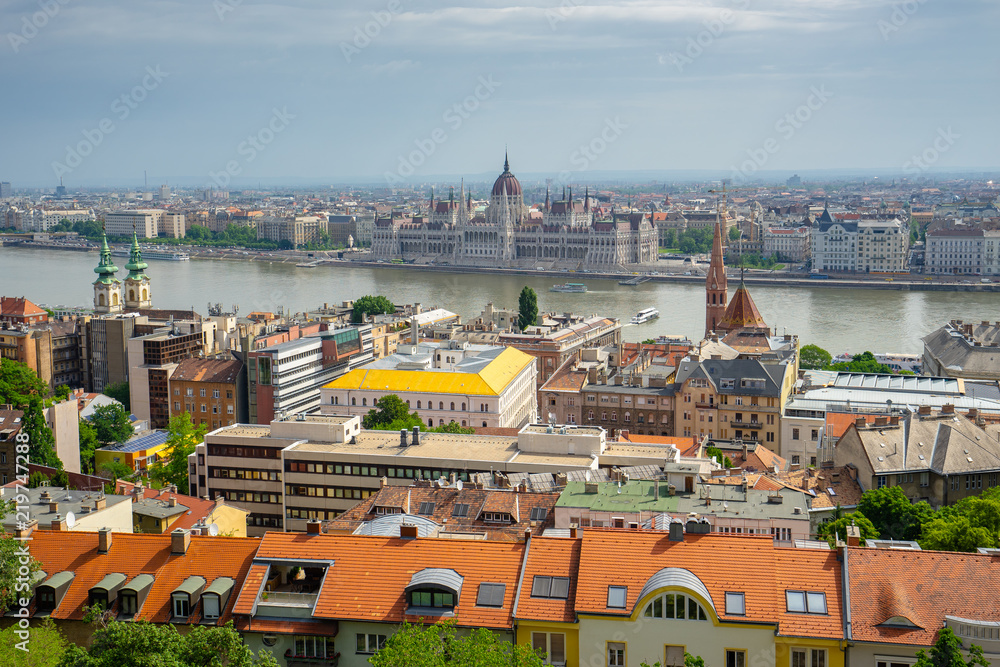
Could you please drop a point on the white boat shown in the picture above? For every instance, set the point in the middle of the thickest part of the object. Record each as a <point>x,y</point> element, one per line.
<point>645,315</point>
<point>569,287</point>
<point>154,254</point>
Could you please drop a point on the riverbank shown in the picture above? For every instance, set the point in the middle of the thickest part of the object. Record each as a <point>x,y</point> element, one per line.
<point>308,260</point>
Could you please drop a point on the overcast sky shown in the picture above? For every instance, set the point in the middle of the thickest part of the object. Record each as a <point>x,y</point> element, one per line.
<point>104,90</point>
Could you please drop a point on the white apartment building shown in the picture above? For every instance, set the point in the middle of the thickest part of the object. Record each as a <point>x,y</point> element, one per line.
<point>963,252</point>
<point>790,244</point>
<point>42,220</point>
<point>864,246</point>
<point>147,223</point>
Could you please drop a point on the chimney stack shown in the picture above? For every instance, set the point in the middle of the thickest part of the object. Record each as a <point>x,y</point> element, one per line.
<point>948,409</point>
<point>416,436</point>
<point>402,437</point>
<point>24,530</point>
<point>101,502</point>
<point>104,540</point>
<point>180,540</point>
<point>574,530</point>
<point>58,522</point>
<point>407,531</point>
<point>313,527</point>
<point>853,536</point>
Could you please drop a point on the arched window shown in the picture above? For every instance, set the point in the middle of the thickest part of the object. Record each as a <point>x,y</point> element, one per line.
<point>614,416</point>
<point>354,400</point>
<point>114,299</point>
<point>364,401</point>
<point>145,294</point>
<point>463,406</point>
<point>131,295</point>
<point>102,300</point>
<point>628,416</point>
<point>418,405</point>
<point>453,405</point>
<point>675,605</point>
<point>335,400</point>
<point>430,422</point>
<point>440,405</point>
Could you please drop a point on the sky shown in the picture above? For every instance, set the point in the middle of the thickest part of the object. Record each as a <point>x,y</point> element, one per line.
<point>236,92</point>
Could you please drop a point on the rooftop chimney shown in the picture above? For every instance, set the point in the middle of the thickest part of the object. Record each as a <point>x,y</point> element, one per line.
<point>925,409</point>
<point>574,530</point>
<point>313,527</point>
<point>180,540</point>
<point>24,530</point>
<point>104,540</point>
<point>101,503</point>
<point>416,436</point>
<point>948,409</point>
<point>407,531</point>
<point>58,522</point>
<point>172,502</point>
<point>853,536</point>
<point>402,437</point>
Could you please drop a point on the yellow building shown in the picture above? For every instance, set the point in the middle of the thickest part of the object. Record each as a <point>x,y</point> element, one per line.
<point>443,381</point>
<point>138,453</point>
<point>165,510</point>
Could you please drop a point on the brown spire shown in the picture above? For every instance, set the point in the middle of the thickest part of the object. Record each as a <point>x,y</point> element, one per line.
<point>716,287</point>
<point>742,313</point>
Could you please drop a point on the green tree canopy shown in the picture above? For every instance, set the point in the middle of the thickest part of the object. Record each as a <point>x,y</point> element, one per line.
<point>831,530</point>
<point>144,644</point>
<point>390,413</point>
<point>972,522</point>
<point>10,555</point>
<point>19,383</point>
<point>861,363</point>
<point>439,645</point>
<point>41,443</point>
<point>371,305</point>
<point>111,424</point>
<point>46,646</point>
<point>716,453</point>
<point>88,445</point>
<point>183,436</point>
<point>813,357</point>
<point>119,392</point>
<point>947,652</point>
<point>527,308</point>
<point>892,513</point>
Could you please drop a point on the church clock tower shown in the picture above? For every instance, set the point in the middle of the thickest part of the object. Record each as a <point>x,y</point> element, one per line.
<point>136,282</point>
<point>107,287</point>
<point>716,287</point>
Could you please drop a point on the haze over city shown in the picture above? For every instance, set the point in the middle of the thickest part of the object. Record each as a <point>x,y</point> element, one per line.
<point>312,92</point>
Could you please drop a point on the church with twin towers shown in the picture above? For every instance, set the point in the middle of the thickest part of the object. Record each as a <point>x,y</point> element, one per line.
<point>568,233</point>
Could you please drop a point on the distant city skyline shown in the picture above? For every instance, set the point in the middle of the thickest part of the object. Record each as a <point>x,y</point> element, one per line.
<point>403,92</point>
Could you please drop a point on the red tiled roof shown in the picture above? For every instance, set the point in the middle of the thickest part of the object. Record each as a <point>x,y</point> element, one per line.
<point>133,554</point>
<point>741,312</point>
<point>370,574</point>
<point>923,586</point>
<point>553,557</point>
<point>19,307</point>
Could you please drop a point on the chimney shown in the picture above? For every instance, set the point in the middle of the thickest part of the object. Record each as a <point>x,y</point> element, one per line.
<point>24,530</point>
<point>402,437</point>
<point>894,420</point>
<point>574,530</point>
<point>948,409</point>
<point>859,422</point>
<point>853,536</point>
<point>925,410</point>
<point>745,452</point>
<point>527,534</point>
<point>180,540</point>
<point>172,502</point>
<point>416,436</point>
<point>383,482</point>
<point>313,527</point>
<point>58,522</point>
<point>100,503</point>
<point>104,540</point>
<point>53,506</point>
<point>881,421</point>
<point>973,413</point>
<point>407,531</point>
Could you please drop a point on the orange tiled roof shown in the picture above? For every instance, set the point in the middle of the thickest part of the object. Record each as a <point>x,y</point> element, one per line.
<point>553,557</point>
<point>741,312</point>
<point>923,586</point>
<point>746,563</point>
<point>370,574</point>
<point>133,554</point>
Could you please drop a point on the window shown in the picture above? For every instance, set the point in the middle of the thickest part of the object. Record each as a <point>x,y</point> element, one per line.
<point>675,605</point>
<point>735,604</point>
<point>313,647</point>
<point>201,392</point>
<point>426,509</point>
<point>808,658</point>
<point>210,607</point>
<point>736,658</point>
<point>806,602</point>
<point>538,514</point>
<point>128,603</point>
<point>182,607</point>
<point>617,596</point>
<point>432,598</point>
<point>616,654</point>
<point>550,587</point>
<point>552,644</point>
<point>795,434</point>
<point>460,510</point>
<point>370,643</point>
<point>673,656</point>
<point>893,661</point>
<point>491,595</point>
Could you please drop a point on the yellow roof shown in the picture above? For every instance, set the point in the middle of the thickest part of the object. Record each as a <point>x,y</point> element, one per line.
<point>490,381</point>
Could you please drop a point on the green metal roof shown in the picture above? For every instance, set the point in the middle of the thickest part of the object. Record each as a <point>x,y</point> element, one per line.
<point>59,579</point>
<point>106,269</point>
<point>109,582</point>
<point>136,267</point>
<point>631,497</point>
<point>192,585</point>
<point>220,586</point>
<point>139,583</point>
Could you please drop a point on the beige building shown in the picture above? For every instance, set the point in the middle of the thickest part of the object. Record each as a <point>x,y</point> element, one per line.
<point>147,223</point>
<point>448,381</point>
<point>791,245</point>
<point>298,231</point>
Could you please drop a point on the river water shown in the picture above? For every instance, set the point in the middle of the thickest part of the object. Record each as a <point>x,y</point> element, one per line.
<point>836,319</point>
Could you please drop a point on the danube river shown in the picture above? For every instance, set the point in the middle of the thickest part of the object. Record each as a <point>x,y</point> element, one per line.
<point>836,319</point>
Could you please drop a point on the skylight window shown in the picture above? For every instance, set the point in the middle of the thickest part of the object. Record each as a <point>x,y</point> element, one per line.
<point>538,514</point>
<point>735,604</point>
<point>550,587</point>
<point>491,595</point>
<point>460,510</point>
<point>426,509</point>
<point>617,596</point>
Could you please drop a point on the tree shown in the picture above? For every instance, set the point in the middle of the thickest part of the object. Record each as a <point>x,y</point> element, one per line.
<point>371,305</point>
<point>861,363</point>
<point>45,647</point>
<point>972,522</point>
<point>144,644</point>
<point>115,470</point>
<point>734,233</point>
<point>527,308</point>
<point>88,445</point>
<point>41,444</point>
<point>11,552</point>
<point>453,427</point>
<point>813,357</point>
<point>111,424</point>
<point>892,513</point>
<point>119,392</point>
<point>19,383</point>
<point>716,453</point>
<point>947,652</point>
<point>182,437</point>
<point>62,393</point>
<point>689,661</point>
<point>831,530</point>
<point>440,646</point>
<point>390,413</point>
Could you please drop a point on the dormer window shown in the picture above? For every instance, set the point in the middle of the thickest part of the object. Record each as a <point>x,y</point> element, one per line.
<point>133,594</point>
<point>434,591</point>
<point>49,594</point>
<point>105,591</point>
<point>432,598</point>
<point>215,597</point>
<point>496,517</point>
<point>185,597</point>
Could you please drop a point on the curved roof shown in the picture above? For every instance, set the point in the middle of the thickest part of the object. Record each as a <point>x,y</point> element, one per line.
<point>507,183</point>
<point>437,577</point>
<point>680,578</point>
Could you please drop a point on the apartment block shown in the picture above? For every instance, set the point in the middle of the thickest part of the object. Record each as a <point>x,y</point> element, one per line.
<point>561,337</point>
<point>147,223</point>
<point>212,391</point>
<point>790,244</point>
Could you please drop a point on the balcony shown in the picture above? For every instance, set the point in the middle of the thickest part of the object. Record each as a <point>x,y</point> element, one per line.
<point>287,599</point>
<point>310,661</point>
<point>745,424</point>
